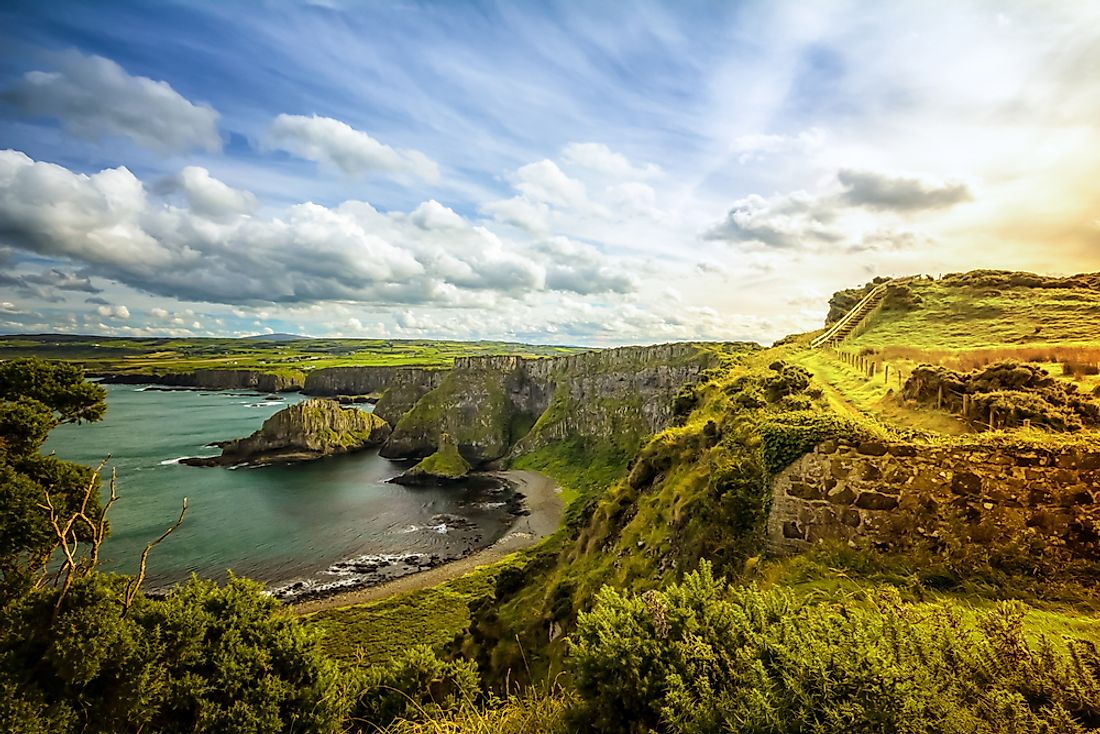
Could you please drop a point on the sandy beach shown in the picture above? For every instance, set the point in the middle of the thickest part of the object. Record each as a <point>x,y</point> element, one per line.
<point>542,499</point>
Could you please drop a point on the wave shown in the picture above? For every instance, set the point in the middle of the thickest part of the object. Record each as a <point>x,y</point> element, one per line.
<point>172,462</point>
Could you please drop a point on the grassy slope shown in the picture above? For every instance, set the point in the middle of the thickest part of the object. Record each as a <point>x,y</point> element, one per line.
<point>148,355</point>
<point>631,530</point>
<point>958,318</point>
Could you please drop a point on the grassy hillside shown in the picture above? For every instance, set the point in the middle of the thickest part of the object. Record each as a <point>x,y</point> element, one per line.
<point>700,490</point>
<point>155,355</point>
<point>967,313</point>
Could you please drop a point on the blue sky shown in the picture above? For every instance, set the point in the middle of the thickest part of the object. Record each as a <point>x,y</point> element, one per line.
<point>593,173</point>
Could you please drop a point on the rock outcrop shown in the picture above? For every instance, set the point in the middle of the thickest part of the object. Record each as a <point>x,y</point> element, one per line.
<point>309,430</point>
<point>400,387</point>
<point>497,406</point>
<point>445,466</point>
<point>281,381</point>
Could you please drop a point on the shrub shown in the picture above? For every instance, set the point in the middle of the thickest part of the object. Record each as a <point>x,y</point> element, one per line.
<point>1014,391</point>
<point>703,657</point>
<point>414,686</point>
<point>788,436</point>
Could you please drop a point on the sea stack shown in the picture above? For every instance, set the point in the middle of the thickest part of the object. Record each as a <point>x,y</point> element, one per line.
<point>310,430</point>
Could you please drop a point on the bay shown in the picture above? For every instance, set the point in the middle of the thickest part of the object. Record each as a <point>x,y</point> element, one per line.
<point>326,524</point>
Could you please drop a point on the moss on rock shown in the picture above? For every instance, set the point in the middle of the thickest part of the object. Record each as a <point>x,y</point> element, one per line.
<point>445,465</point>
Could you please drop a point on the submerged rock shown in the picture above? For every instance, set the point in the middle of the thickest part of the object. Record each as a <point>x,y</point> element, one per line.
<point>444,466</point>
<point>309,430</point>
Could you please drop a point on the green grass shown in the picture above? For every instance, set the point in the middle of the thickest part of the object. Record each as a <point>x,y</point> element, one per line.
<point>374,632</point>
<point>155,355</point>
<point>446,462</point>
<point>962,318</point>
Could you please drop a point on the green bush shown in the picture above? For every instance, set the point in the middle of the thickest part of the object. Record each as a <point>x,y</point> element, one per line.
<point>414,686</point>
<point>702,657</point>
<point>788,436</point>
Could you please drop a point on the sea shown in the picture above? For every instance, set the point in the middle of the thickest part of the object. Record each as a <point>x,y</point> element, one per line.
<point>305,530</point>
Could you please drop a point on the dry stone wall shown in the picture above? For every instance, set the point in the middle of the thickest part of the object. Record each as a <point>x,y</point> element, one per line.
<point>894,495</point>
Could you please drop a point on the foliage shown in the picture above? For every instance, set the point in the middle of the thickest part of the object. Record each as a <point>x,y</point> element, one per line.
<point>412,686</point>
<point>788,436</point>
<point>205,659</point>
<point>1014,391</point>
<point>702,656</point>
<point>35,397</point>
<point>82,651</point>
<point>535,711</point>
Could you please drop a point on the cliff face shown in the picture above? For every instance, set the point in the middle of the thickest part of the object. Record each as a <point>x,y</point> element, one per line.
<point>283,381</point>
<point>308,430</point>
<point>401,387</point>
<point>496,406</point>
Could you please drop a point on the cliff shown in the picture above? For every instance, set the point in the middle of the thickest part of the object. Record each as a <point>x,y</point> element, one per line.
<point>494,407</point>
<point>281,381</point>
<point>308,430</point>
<point>401,387</point>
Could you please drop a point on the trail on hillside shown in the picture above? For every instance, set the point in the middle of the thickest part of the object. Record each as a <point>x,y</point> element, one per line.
<point>542,499</point>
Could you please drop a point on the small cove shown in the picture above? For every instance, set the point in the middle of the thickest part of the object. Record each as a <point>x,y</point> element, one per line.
<point>303,529</point>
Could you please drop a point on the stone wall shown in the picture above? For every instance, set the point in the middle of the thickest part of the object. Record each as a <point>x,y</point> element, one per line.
<point>894,495</point>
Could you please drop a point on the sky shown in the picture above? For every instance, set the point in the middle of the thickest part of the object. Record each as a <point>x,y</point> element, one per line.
<point>562,173</point>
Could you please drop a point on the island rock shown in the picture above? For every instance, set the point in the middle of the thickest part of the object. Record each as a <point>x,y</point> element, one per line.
<point>309,430</point>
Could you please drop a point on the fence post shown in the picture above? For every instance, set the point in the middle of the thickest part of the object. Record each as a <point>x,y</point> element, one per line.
<point>939,397</point>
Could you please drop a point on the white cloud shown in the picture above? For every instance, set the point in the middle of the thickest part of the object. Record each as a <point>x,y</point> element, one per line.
<point>211,198</point>
<point>307,253</point>
<point>543,181</point>
<point>533,216</point>
<point>95,98</point>
<point>120,313</point>
<point>336,144</point>
<point>788,221</point>
<point>760,145</point>
<point>599,158</point>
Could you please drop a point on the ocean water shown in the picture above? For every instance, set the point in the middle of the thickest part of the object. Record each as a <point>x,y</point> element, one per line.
<point>300,528</point>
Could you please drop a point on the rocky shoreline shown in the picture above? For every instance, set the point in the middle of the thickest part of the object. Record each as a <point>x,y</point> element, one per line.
<point>362,573</point>
<point>538,516</point>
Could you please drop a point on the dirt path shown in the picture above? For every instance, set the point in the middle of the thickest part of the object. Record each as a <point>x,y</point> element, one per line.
<point>542,498</point>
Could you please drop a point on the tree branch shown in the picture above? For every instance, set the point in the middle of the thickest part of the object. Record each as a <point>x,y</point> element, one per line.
<point>134,586</point>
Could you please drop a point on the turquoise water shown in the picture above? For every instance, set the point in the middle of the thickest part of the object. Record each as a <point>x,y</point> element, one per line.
<point>327,523</point>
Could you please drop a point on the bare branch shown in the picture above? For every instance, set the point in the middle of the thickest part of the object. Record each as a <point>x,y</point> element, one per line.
<point>135,583</point>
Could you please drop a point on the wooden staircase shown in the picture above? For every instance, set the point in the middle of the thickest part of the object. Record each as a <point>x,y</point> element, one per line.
<point>842,329</point>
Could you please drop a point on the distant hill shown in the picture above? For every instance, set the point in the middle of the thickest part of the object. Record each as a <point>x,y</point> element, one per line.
<point>279,337</point>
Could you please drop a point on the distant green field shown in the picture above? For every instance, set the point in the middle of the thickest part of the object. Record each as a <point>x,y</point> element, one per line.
<point>159,355</point>
<point>963,318</point>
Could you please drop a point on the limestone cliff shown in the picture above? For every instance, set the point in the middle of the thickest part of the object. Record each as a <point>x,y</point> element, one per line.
<point>281,381</point>
<point>308,430</point>
<point>401,387</point>
<point>494,407</point>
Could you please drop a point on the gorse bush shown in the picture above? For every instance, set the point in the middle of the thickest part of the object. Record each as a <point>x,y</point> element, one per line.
<point>703,657</point>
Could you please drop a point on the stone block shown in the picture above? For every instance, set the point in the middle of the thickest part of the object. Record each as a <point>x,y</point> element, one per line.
<point>876,501</point>
<point>872,448</point>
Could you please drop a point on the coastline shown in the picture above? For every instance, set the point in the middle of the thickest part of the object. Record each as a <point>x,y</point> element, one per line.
<point>542,501</point>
